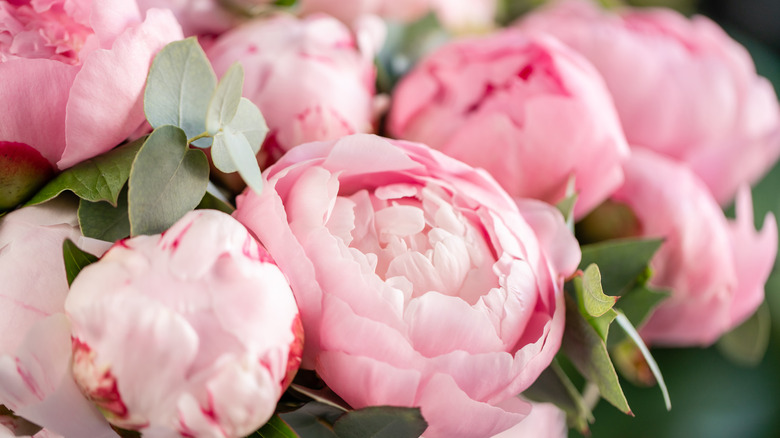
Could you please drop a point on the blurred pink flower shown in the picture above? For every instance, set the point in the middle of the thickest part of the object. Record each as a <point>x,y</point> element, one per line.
<point>420,281</point>
<point>192,332</point>
<point>310,77</point>
<point>530,111</point>
<point>197,17</point>
<point>75,71</point>
<point>715,268</point>
<point>682,87</point>
<point>453,14</point>
<point>35,349</point>
<point>544,421</point>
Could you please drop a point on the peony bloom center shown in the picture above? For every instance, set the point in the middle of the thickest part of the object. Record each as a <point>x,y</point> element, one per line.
<point>416,241</point>
<point>55,30</point>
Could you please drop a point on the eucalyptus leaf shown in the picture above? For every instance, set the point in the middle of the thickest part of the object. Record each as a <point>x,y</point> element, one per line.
<point>167,180</point>
<point>620,261</point>
<point>748,342</point>
<point>231,152</point>
<point>97,179</point>
<point>588,353</point>
<point>75,259</point>
<point>381,422</point>
<point>276,428</point>
<point>101,220</point>
<point>313,420</point>
<point>179,88</point>
<point>250,122</point>
<point>554,386</point>
<point>223,104</point>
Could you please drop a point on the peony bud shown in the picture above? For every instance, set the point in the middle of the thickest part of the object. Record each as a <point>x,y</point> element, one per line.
<point>194,331</point>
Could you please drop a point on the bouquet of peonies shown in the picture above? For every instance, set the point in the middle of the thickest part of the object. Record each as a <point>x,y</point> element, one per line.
<point>387,218</point>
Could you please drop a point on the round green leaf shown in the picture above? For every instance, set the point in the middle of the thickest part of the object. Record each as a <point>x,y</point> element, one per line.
<point>223,104</point>
<point>231,152</point>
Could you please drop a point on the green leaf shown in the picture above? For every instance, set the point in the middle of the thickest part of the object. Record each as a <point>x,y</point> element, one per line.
<point>250,122</point>
<point>588,353</point>
<point>223,104</point>
<point>554,386</point>
<point>747,343</point>
<point>211,202</point>
<point>101,220</point>
<point>381,422</point>
<point>625,324</point>
<point>592,295</point>
<point>75,259</point>
<point>638,303</point>
<point>167,180</point>
<point>179,88</point>
<point>276,428</point>
<point>231,151</point>
<point>97,179</point>
<point>313,420</point>
<point>620,261</point>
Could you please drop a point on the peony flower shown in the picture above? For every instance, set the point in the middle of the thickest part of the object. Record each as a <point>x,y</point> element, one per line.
<point>420,281</point>
<point>528,110</point>
<point>453,14</point>
<point>76,70</point>
<point>193,332</point>
<point>682,87</point>
<point>309,77</point>
<point>35,349</point>
<point>715,268</point>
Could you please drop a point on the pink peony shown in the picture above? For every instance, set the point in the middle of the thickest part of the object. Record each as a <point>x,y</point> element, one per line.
<point>715,268</point>
<point>308,77</point>
<point>528,110</point>
<point>453,14</point>
<point>420,281</point>
<point>544,421</point>
<point>682,87</point>
<point>197,17</point>
<point>35,349</point>
<point>75,71</point>
<point>193,332</point>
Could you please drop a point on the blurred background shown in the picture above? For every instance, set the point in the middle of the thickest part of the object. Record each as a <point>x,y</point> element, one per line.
<point>712,396</point>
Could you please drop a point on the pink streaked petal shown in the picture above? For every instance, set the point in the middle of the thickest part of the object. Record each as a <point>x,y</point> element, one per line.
<point>43,107</point>
<point>458,416</point>
<point>349,376</point>
<point>105,103</point>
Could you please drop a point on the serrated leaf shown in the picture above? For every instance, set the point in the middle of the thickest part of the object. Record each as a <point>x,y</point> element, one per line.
<point>593,298</point>
<point>276,428</point>
<point>620,261</point>
<point>748,342</point>
<point>231,152</point>
<point>313,420</point>
<point>179,87</point>
<point>167,180</point>
<point>554,386</point>
<point>75,259</point>
<point>97,179</point>
<point>629,329</point>
<point>223,104</point>
<point>588,353</point>
<point>381,422</point>
<point>101,220</point>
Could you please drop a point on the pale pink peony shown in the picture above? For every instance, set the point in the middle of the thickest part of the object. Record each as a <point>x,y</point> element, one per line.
<point>192,332</point>
<point>528,110</point>
<point>420,281</point>
<point>75,72</point>
<point>453,14</point>
<point>682,87</point>
<point>715,268</point>
<point>309,77</point>
<point>35,349</point>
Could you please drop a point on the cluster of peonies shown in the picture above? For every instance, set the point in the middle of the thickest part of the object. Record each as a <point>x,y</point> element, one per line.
<point>425,274</point>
